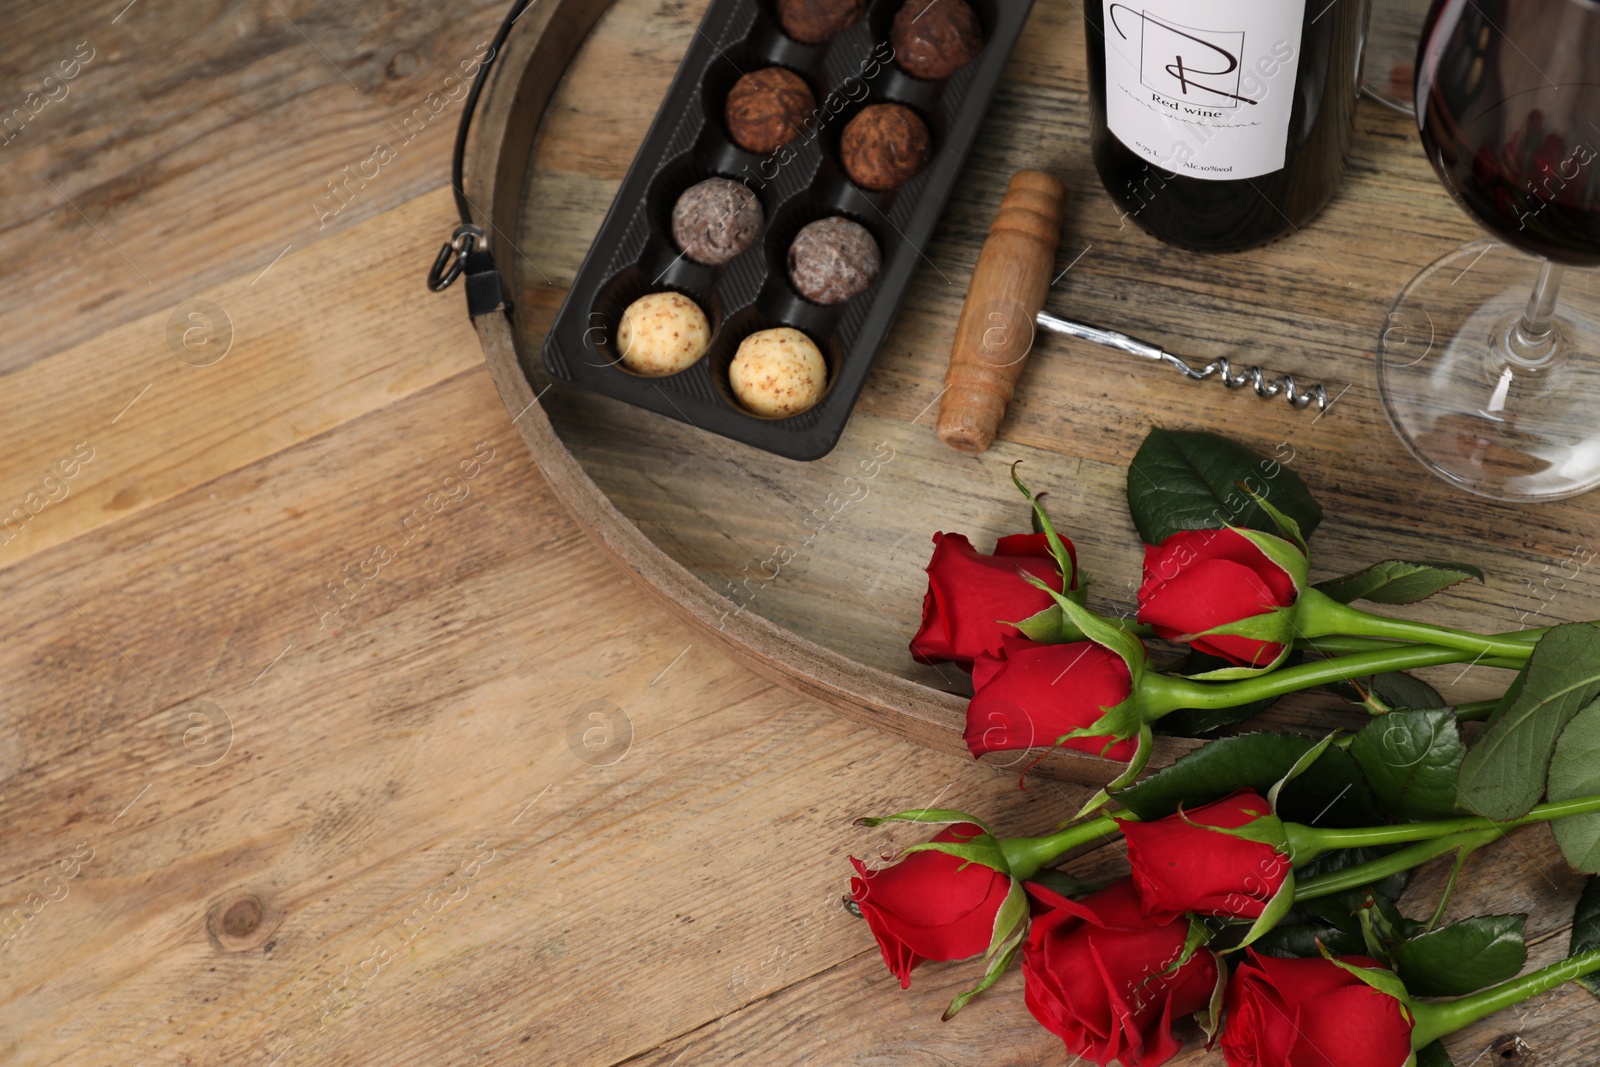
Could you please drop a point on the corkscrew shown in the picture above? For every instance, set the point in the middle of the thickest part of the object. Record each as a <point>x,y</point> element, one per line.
<point>1005,306</point>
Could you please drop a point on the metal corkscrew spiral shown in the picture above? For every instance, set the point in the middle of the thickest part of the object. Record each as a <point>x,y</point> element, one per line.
<point>1253,376</point>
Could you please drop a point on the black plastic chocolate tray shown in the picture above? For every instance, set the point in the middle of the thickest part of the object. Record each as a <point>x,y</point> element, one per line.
<point>634,252</point>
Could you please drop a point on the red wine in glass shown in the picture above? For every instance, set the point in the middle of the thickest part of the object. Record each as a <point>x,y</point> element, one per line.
<point>1509,110</point>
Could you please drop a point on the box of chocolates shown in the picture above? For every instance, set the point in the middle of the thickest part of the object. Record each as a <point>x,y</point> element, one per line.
<point>756,253</point>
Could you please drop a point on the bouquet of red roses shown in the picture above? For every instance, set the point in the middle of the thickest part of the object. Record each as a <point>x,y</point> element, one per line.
<point>1265,867</point>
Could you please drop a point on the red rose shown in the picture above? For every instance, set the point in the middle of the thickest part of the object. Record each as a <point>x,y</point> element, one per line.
<point>1181,867</point>
<point>1199,579</point>
<point>930,905</point>
<point>1099,975</point>
<point>970,596</point>
<point>1311,1013</point>
<point>1032,694</point>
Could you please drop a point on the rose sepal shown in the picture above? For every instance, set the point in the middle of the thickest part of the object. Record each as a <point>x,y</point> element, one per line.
<point>1274,912</point>
<point>996,968</point>
<point>930,815</point>
<point>1047,627</point>
<point>1285,555</point>
<point>1286,525</point>
<point>1276,626</point>
<point>1300,766</point>
<point>1376,977</point>
<point>1057,548</point>
<point>984,850</point>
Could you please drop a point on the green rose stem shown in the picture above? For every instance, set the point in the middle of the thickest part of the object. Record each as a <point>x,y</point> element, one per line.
<point>1346,646</point>
<point>1476,710</point>
<point>1363,874</point>
<point>1436,1019</point>
<point>1308,842</point>
<point>1162,693</point>
<point>1027,856</point>
<point>1317,613</point>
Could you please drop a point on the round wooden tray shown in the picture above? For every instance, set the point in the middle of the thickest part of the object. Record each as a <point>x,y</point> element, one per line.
<point>815,581</point>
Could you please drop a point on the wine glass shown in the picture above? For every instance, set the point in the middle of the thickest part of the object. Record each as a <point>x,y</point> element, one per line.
<point>1389,54</point>
<point>1489,363</point>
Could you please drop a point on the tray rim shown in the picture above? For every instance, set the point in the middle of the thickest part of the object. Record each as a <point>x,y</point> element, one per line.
<point>510,117</point>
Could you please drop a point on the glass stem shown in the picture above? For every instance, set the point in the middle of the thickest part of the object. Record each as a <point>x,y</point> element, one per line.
<point>1532,339</point>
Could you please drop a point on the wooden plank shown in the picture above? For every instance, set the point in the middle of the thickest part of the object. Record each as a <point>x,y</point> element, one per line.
<point>195,142</point>
<point>269,360</point>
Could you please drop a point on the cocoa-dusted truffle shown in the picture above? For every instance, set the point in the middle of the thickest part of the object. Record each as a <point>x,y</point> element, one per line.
<point>768,108</point>
<point>662,333</point>
<point>934,38</point>
<point>778,373</point>
<point>832,260</point>
<point>715,220</point>
<point>884,146</point>
<point>815,21</point>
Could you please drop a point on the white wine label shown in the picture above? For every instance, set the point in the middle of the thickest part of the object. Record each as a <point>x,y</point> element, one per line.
<point>1203,89</point>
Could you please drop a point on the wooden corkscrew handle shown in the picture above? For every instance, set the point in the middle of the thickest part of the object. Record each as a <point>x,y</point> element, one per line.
<point>997,320</point>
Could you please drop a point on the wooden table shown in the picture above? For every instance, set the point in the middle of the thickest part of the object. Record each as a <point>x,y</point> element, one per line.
<point>476,797</point>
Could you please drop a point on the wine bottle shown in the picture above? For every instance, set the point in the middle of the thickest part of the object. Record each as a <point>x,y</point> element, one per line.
<point>1220,125</point>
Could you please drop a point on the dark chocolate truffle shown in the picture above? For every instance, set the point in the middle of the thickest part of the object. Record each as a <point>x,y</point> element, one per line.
<point>815,21</point>
<point>934,38</point>
<point>768,108</point>
<point>884,146</point>
<point>832,260</point>
<point>715,220</point>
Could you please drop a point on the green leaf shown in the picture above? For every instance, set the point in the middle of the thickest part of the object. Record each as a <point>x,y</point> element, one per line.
<point>1331,793</point>
<point>1248,761</point>
<point>1463,957</point>
<point>1505,772</point>
<point>1411,759</point>
<point>1398,581</point>
<point>1434,1055</point>
<point>1190,480</point>
<point>1301,939</point>
<point>1392,691</point>
<point>1575,772</point>
<point>1586,930</point>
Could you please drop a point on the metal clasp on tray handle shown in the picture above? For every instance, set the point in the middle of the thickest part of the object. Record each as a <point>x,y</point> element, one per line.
<point>452,258</point>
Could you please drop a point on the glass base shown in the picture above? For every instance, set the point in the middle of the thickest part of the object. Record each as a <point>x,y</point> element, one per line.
<point>1462,399</point>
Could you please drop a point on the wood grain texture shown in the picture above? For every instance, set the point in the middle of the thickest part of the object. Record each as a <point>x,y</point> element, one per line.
<point>455,860</point>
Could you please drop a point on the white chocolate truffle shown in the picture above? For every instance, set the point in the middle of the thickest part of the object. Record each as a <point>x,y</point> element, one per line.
<point>662,333</point>
<point>778,373</point>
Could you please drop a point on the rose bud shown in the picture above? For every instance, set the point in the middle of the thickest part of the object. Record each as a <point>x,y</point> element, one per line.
<point>931,905</point>
<point>1197,580</point>
<point>971,597</point>
<point>1311,1013</point>
<point>1033,694</point>
<point>1180,866</point>
<point>1107,980</point>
